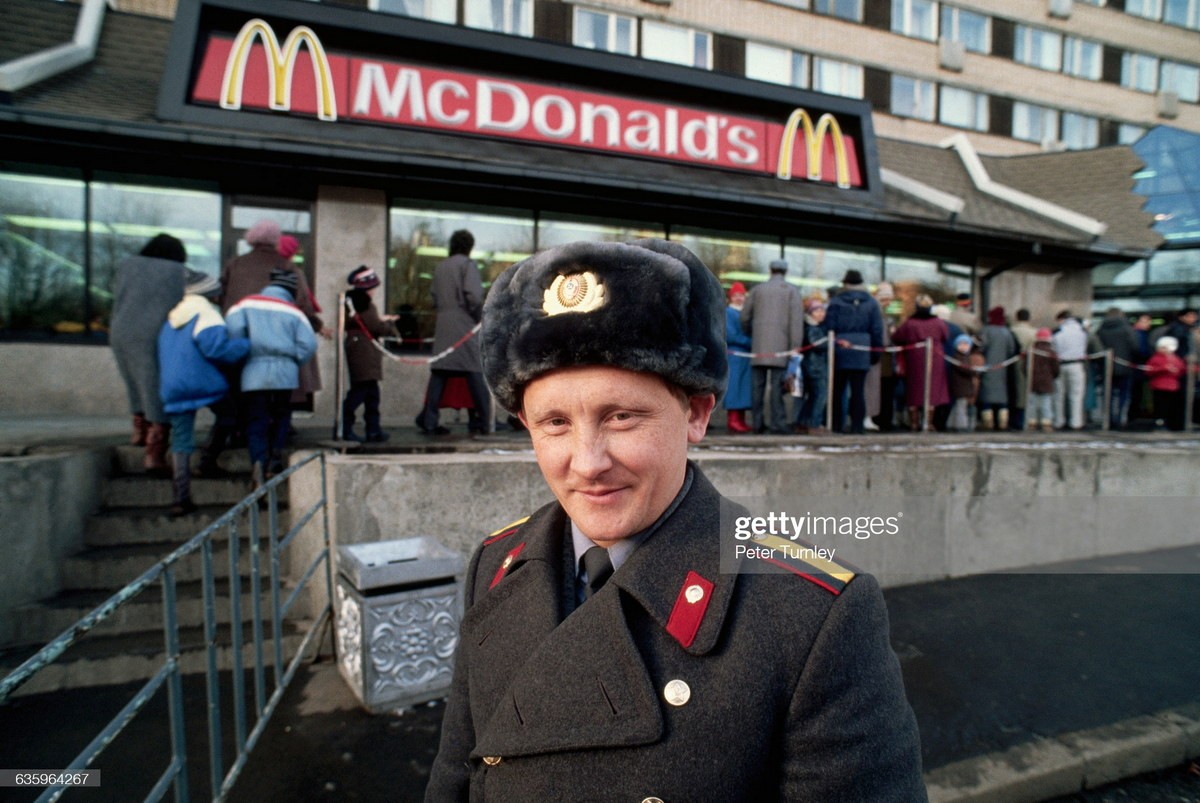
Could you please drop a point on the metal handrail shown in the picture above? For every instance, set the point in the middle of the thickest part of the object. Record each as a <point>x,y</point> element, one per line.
<point>170,673</point>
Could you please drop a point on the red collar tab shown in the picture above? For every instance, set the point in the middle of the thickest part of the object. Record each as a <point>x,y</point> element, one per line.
<point>689,609</point>
<point>506,564</point>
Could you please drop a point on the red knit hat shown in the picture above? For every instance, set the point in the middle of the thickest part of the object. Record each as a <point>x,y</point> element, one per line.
<point>737,287</point>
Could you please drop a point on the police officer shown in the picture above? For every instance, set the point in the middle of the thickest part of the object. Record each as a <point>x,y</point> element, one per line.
<point>604,655</point>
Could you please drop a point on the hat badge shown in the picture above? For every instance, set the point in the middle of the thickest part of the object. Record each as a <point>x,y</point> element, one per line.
<point>575,292</point>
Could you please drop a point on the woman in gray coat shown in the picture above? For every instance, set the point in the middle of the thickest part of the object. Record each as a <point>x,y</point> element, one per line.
<point>998,345</point>
<point>145,289</point>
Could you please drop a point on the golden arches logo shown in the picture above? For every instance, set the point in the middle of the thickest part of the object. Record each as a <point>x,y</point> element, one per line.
<point>281,64</point>
<point>814,141</point>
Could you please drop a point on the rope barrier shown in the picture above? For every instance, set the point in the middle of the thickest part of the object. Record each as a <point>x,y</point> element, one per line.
<point>409,360</point>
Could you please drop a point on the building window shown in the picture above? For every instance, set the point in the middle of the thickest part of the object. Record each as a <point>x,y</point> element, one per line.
<point>1139,72</point>
<point>973,30</point>
<point>915,18</point>
<point>1034,123</point>
<point>503,16</point>
<point>1081,58</point>
<point>1080,131</point>
<point>912,97</point>
<point>558,229</point>
<point>600,30</point>
<point>1182,12</point>
<point>791,3</point>
<point>732,256</point>
<point>419,240</point>
<point>1182,79</point>
<point>776,64</point>
<point>963,109</point>
<point>437,10</point>
<point>837,78</point>
<point>1039,48</point>
<point>1099,3</point>
<point>818,266</point>
<point>1127,133</point>
<point>846,9</point>
<point>50,282</point>
<point>1150,9</point>
<point>663,42</point>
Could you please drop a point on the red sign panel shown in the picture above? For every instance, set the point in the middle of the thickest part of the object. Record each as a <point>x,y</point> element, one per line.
<point>254,71</point>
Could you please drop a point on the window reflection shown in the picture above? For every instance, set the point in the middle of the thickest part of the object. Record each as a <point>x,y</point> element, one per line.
<point>818,267</point>
<point>565,229</point>
<point>419,242</point>
<point>732,257</point>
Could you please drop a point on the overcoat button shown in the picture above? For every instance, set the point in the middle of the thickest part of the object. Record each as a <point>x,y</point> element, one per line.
<point>677,693</point>
<point>491,761</point>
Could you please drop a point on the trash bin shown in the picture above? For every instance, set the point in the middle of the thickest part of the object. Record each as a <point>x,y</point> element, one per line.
<point>398,611</point>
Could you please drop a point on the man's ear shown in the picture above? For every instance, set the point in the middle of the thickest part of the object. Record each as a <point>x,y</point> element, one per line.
<point>699,411</point>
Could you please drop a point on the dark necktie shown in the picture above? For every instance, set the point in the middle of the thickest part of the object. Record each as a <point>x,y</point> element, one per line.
<point>598,567</point>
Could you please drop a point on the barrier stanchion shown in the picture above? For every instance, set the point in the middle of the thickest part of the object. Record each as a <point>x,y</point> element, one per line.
<point>928,385</point>
<point>831,337</point>
<point>1108,391</point>
<point>1189,392</point>
<point>339,369</point>
<point>1028,383</point>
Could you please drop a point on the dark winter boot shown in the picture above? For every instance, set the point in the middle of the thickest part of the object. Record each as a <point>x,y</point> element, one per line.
<point>155,459</point>
<point>182,482</point>
<point>140,427</point>
<point>348,431</point>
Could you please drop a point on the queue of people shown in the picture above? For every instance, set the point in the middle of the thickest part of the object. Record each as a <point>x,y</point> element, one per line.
<point>976,375</point>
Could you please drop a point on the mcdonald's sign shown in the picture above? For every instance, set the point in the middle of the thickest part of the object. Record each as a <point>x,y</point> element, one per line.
<point>281,62</point>
<point>253,71</point>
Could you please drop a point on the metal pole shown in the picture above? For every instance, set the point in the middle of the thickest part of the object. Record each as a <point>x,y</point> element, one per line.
<point>175,686</point>
<point>339,370</point>
<point>928,383</point>
<point>829,383</point>
<point>1189,392</point>
<point>1029,384</point>
<point>1106,424</point>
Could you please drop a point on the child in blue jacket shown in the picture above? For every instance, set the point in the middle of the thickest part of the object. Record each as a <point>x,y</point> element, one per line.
<point>191,344</point>
<point>281,340</point>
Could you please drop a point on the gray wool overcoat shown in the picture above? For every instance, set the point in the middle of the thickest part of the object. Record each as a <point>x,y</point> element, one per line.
<point>458,299</point>
<point>794,691</point>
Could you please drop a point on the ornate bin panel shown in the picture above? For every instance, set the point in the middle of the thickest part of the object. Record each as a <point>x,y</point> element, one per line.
<point>398,611</point>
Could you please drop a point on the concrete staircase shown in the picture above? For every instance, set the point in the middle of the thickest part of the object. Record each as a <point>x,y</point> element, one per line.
<point>129,534</point>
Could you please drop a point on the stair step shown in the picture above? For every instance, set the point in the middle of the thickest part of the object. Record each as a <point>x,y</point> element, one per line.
<point>107,660</point>
<point>113,567</point>
<point>142,525</point>
<point>128,460</point>
<point>139,491</point>
<point>41,622</point>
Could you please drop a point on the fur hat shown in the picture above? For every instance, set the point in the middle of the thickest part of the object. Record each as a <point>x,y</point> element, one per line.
<point>648,305</point>
<point>1044,335</point>
<point>200,283</point>
<point>1167,342</point>
<point>363,278</point>
<point>778,266</point>
<point>288,246</point>
<point>285,278</point>
<point>852,277</point>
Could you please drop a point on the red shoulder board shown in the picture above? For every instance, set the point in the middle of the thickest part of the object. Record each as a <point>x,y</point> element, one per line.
<point>689,609</point>
<point>504,566</point>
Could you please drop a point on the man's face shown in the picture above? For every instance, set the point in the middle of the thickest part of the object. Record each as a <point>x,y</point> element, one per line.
<point>1189,318</point>
<point>612,444</point>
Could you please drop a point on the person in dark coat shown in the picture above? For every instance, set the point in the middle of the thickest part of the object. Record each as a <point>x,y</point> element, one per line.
<point>921,326</point>
<point>1117,335</point>
<point>774,318</point>
<point>737,397</point>
<point>364,360</point>
<point>816,372</point>
<point>145,289</point>
<point>1041,382</point>
<point>458,301</point>
<point>857,323</point>
<point>604,653</point>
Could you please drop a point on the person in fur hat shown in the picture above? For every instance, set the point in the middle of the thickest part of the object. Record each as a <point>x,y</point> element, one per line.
<point>192,344</point>
<point>604,654</point>
<point>363,359</point>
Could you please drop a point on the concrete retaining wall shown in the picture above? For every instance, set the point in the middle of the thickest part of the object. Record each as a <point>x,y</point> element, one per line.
<point>45,500</point>
<point>459,498</point>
